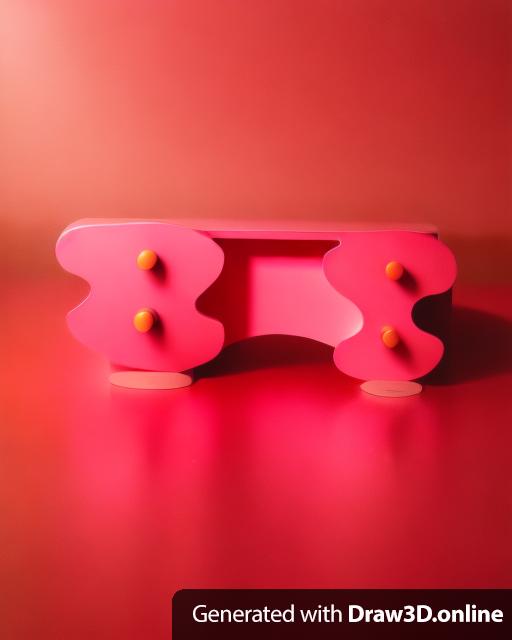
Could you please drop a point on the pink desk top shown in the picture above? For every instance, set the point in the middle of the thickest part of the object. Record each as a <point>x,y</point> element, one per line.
<point>266,229</point>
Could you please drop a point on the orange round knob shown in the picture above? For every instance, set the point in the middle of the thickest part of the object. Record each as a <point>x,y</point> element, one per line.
<point>394,270</point>
<point>144,320</point>
<point>390,337</point>
<point>147,259</point>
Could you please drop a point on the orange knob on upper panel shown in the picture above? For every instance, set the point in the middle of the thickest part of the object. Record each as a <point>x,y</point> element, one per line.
<point>394,270</point>
<point>389,337</point>
<point>147,259</point>
<point>144,320</point>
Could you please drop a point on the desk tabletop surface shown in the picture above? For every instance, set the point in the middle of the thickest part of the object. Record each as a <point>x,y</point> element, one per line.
<point>276,229</point>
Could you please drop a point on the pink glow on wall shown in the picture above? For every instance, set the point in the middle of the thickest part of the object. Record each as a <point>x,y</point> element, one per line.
<point>342,109</point>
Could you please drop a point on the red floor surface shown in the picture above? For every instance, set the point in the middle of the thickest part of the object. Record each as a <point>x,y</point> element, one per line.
<point>273,470</point>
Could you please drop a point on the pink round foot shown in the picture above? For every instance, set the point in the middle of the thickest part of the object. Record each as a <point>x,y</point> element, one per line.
<point>150,379</point>
<point>391,388</point>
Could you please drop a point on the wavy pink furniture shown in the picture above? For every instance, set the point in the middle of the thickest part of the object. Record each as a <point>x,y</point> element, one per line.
<point>167,296</point>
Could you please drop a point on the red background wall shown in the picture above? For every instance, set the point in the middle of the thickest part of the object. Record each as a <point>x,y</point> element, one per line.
<point>352,109</point>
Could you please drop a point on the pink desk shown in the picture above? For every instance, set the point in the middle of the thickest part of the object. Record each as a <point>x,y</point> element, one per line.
<point>167,296</point>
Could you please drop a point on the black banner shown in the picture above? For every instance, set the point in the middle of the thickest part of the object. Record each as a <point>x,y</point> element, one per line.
<point>344,613</point>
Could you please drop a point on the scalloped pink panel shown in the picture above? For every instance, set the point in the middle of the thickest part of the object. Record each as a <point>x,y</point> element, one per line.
<point>357,270</point>
<point>105,255</point>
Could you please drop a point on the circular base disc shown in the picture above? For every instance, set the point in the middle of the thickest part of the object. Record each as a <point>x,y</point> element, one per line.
<point>392,388</point>
<point>150,379</point>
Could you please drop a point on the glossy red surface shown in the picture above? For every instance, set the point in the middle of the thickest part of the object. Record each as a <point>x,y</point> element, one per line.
<point>272,470</point>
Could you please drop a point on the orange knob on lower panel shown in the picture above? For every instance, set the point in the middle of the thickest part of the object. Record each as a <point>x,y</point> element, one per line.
<point>394,270</point>
<point>147,259</point>
<point>389,337</point>
<point>144,320</point>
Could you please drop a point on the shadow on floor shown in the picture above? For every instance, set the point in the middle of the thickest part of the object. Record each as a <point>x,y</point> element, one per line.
<point>264,352</point>
<point>479,346</point>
